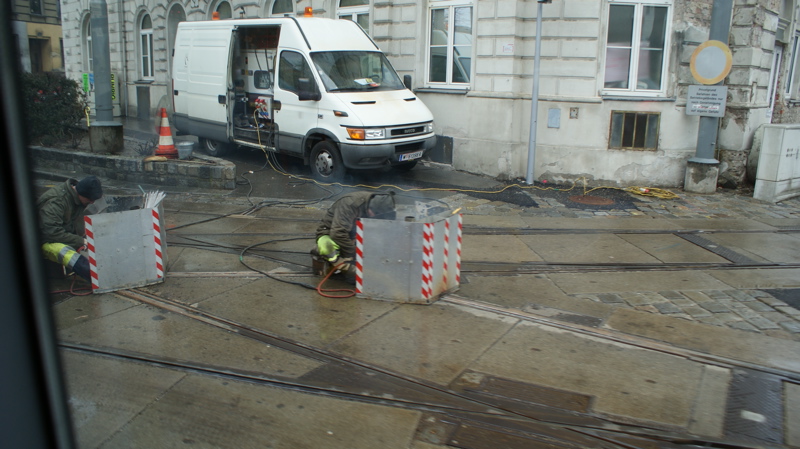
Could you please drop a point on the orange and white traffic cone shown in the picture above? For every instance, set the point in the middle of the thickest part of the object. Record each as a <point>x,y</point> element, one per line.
<point>166,147</point>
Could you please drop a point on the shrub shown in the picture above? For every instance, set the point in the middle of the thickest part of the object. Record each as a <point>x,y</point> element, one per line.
<point>54,105</point>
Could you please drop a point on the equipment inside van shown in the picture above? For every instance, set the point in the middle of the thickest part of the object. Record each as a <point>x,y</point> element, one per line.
<point>318,89</point>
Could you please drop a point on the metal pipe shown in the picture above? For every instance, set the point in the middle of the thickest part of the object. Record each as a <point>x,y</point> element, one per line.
<point>122,79</point>
<point>708,128</point>
<point>534,99</point>
<point>101,56</point>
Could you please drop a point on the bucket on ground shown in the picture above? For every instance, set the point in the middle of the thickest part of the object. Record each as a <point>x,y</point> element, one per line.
<point>185,149</point>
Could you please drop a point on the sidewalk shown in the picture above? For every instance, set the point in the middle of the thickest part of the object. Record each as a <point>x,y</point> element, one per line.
<point>666,340</point>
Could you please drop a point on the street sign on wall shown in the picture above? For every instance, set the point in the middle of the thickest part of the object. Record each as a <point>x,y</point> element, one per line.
<point>707,101</point>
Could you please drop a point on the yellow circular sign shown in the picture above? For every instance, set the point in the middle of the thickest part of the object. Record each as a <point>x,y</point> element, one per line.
<point>711,62</point>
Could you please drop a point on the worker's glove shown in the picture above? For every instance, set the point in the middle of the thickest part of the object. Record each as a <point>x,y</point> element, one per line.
<point>342,264</point>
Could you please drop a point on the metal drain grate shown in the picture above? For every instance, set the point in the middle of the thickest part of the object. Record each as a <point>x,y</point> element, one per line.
<point>721,251</point>
<point>754,408</point>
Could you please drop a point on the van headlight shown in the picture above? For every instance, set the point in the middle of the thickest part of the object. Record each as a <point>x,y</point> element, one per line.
<point>366,133</point>
<point>429,127</point>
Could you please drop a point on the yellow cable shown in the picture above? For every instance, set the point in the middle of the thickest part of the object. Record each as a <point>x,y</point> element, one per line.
<point>644,191</point>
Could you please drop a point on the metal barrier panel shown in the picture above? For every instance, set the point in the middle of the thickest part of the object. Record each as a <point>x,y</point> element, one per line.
<point>126,249</point>
<point>778,175</point>
<point>408,261</point>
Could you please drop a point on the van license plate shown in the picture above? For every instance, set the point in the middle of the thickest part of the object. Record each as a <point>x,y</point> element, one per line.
<point>411,156</point>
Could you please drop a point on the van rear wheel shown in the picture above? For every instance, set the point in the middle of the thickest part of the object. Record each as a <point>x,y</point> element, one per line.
<point>214,147</point>
<point>326,162</point>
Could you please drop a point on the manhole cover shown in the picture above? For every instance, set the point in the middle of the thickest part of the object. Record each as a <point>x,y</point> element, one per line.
<point>591,200</point>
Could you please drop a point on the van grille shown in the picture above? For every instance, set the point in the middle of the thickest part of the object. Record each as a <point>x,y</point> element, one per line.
<point>409,147</point>
<point>407,131</point>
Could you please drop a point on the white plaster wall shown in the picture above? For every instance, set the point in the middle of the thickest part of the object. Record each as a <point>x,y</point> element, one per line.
<point>489,123</point>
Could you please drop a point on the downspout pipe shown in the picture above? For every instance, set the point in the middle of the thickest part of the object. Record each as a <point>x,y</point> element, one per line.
<point>534,99</point>
<point>123,78</point>
<point>101,56</point>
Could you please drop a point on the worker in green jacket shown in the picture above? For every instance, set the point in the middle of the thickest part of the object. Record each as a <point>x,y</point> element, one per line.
<point>336,233</point>
<point>61,221</point>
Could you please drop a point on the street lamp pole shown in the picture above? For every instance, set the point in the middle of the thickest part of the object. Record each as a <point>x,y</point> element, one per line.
<point>535,95</point>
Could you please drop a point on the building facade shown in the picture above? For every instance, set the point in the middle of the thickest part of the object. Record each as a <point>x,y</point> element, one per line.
<point>36,27</point>
<point>614,75</point>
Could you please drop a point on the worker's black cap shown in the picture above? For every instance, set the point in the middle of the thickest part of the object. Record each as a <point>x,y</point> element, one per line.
<point>89,187</point>
<point>382,205</point>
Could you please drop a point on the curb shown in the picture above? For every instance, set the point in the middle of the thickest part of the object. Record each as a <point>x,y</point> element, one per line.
<point>201,171</point>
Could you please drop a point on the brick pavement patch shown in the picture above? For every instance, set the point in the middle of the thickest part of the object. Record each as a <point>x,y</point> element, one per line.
<point>667,307</point>
<point>790,296</point>
<point>762,323</point>
<point>743,325</point>
<point>713,307</point>
<point>740,295</point>
<point>671,294</point>
<point>791,326</point>
<point>716,294</point>
<point>610,298</point>
<point>636,299</point>
<point>759,306</point>
<point>696,311</point>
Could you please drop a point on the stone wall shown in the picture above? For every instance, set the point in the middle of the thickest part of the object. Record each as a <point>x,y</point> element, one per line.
<point>200,171</point>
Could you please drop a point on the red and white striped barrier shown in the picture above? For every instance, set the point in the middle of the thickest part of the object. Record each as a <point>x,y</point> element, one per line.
<point>125,249</point>
<point>359,255</point>
<point>427,261</point>
<point>458,249</point>
<point>157,242</point>
<point>90,249</point>
<point>408,261</point>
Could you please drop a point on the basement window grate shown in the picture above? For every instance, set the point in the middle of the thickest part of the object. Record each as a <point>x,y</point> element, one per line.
<point>633,131</point>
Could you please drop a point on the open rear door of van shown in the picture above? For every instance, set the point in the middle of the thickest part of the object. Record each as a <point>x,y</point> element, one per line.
<point>202,86</point>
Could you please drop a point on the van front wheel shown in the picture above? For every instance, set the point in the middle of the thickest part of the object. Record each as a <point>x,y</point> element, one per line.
<point>213,147</point>
<point>326,162</point>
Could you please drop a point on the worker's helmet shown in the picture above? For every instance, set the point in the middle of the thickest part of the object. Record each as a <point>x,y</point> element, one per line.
<point>382,205</point>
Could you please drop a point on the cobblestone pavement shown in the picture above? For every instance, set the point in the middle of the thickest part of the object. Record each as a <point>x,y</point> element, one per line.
<point>723,204</point>
<point>749,310</point>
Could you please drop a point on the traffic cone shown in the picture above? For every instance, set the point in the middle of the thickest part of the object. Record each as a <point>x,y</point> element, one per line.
<point>166,147</point>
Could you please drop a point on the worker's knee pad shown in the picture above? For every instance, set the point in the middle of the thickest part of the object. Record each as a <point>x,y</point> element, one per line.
<point>82,269</point>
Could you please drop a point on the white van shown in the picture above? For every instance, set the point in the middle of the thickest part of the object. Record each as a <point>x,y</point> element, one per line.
<point>315,88</point>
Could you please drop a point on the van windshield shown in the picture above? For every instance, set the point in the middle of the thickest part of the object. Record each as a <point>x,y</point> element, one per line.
<point>355,71</point>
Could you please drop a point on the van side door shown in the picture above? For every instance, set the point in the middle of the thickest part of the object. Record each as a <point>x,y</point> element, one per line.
<point>201,99</point>
<point>298,93</point>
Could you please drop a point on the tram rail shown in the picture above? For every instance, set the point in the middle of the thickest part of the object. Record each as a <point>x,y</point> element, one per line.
<point>527,421</point>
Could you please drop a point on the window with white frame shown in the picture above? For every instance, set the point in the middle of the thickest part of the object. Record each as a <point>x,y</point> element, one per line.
<point>146,47</point>
<point>450,43</point>
<point>87,45</point>
<point>281,7</point>
<point>636,47</point>
<point>793,71</point>
<point>355,10</point>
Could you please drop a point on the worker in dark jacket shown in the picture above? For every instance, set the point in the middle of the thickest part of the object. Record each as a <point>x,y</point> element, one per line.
<point>336,232</point>
<point>61,219</point>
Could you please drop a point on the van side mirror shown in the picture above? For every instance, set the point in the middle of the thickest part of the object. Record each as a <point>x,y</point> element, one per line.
<point>308,91</point>
<point>407,81</point>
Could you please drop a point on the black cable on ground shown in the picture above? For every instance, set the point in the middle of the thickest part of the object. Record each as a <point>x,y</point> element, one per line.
<point>248,248</point>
